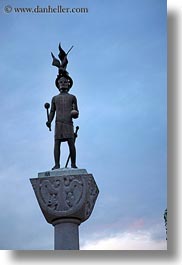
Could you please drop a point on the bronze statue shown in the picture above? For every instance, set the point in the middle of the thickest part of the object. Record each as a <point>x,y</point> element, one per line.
<point>64,105</point>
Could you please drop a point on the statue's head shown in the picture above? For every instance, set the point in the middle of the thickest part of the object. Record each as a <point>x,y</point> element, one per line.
<point>64,83</point>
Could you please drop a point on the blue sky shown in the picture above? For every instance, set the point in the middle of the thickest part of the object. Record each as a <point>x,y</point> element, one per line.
<point>118,65</point>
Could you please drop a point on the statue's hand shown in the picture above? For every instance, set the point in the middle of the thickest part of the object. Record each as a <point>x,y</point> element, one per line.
<point>48,123</point>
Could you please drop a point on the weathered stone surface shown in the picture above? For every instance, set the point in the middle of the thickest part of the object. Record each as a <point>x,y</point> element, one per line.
<point>62,172</point>
<point>66,196</point>
<point>66,234</point>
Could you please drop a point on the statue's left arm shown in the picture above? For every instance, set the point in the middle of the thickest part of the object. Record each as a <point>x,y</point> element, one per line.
<point>75,105</point>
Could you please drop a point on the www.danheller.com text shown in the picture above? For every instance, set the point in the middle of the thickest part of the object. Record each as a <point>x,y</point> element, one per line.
<point>48,9</point>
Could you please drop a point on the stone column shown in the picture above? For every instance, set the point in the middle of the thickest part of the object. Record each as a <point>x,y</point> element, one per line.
<point>66,234</point>
<point>66,198</point>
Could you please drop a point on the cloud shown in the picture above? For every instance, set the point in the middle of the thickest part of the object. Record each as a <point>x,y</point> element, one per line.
<point>140,240</point>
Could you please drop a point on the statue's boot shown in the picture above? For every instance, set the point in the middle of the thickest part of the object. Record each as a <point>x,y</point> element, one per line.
<point>73,159</point>
<point>73,165</point>
<point>56,167</point>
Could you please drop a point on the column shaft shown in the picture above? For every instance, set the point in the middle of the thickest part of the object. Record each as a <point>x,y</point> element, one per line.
<point>66,235</point>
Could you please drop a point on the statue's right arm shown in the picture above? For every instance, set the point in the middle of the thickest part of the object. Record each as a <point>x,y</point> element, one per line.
<point>52,111</point>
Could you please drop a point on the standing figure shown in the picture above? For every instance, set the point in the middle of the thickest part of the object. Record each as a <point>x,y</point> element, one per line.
<point>65,107</point>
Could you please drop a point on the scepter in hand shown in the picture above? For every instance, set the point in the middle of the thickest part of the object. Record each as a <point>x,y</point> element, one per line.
<point>47,106</point>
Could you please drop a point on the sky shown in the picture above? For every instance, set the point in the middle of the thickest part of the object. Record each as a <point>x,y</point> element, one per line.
<point>119,69</point>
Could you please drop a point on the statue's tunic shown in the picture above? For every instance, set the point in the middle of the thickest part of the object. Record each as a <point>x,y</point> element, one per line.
<point>63,104</point>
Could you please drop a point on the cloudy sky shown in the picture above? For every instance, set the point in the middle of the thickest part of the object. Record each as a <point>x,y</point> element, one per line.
<point>118,65</point>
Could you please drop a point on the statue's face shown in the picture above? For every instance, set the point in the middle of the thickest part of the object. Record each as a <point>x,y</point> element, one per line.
<point>63,83</point>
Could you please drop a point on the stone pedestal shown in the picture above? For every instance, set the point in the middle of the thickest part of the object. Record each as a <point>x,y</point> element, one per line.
<point>66,198</point>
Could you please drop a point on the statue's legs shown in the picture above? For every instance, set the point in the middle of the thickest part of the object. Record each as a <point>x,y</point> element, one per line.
<point>72,149</point>
<point>57,145</point>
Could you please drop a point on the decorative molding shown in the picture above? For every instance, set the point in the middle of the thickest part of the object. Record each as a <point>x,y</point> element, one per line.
<point>66,196</point>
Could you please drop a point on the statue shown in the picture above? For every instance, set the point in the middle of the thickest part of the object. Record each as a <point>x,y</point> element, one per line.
<point>64,105</point>
<point>66,197</point>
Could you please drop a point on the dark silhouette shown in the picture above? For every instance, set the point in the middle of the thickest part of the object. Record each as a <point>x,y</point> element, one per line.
<point>65,107</point>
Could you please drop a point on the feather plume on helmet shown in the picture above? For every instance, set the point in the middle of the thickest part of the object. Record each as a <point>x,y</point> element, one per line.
<point>61,64</point>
